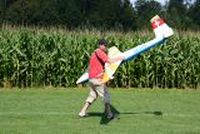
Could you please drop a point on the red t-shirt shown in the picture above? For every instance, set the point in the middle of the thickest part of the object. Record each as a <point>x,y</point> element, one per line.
<point>97,62</point>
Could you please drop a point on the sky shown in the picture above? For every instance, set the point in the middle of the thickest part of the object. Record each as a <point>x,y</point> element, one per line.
<point>161,1</point>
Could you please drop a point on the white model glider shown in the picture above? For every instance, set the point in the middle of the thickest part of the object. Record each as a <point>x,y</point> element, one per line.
<point>162,31</point>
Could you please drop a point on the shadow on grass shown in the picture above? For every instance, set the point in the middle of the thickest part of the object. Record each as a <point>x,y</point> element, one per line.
<point>116,113</point>
<point>105,120</point>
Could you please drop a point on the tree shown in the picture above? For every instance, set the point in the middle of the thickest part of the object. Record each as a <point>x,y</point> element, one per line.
<point>16,11</point>
<point>194,13</point>
<point>43,12</point>
<point>101,13</point>
<point>146,10</point>
<point>2,11</point>
<point>177,14</point>
<point>109,11</point>
<point>127,16</point>
<point>91,13</point>
<point>69,12</point>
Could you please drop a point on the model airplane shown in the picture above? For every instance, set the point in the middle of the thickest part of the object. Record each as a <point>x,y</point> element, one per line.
<point>162,31</point>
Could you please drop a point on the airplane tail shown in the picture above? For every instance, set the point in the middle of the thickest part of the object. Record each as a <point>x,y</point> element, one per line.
<point>160,28</point>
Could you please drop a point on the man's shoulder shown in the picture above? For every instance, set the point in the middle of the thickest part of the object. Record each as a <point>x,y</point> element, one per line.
<point>98,50</point>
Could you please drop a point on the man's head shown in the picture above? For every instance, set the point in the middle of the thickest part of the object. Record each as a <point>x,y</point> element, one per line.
<point>102,44</point>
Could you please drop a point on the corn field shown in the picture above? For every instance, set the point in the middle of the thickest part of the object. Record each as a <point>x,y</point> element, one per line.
<point>35,57</point>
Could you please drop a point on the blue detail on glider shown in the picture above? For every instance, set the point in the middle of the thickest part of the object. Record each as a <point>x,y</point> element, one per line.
<point>142,50</point>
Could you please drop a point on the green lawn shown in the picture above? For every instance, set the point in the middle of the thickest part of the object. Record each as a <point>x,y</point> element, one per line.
<point>54,111</point>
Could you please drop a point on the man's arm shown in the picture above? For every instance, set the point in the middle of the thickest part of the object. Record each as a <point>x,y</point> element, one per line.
<point>104,57</point>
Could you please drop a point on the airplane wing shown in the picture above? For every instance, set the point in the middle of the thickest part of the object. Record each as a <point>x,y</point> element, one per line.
<point>109,68</point>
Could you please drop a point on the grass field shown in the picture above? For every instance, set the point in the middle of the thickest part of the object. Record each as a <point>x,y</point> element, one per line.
<point>54,111</point>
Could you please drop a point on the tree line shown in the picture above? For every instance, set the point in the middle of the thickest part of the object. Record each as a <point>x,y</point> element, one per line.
<point>103,14</point>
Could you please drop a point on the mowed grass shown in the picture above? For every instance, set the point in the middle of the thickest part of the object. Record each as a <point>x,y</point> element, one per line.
<point>142,111</point>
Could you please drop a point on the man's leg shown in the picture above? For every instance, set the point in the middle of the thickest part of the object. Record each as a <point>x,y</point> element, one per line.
<point>83,113</point>
<point>102,91</point>
<point>107,103</point>
<point>90,99</point>
<point>108,111</point>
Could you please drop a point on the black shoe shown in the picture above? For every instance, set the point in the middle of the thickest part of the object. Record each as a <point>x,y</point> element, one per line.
<point>110,116</point>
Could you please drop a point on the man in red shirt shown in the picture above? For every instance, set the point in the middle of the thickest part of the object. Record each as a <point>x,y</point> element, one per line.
<point>97,87</point>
